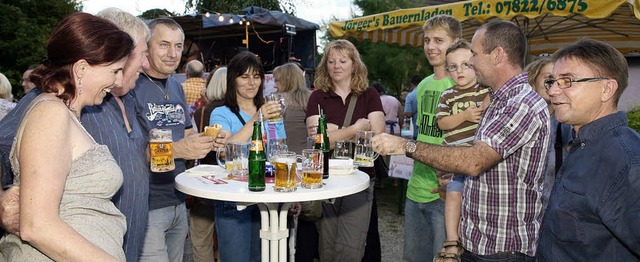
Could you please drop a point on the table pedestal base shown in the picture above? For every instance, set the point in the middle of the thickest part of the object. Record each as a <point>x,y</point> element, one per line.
<point>273,231</point>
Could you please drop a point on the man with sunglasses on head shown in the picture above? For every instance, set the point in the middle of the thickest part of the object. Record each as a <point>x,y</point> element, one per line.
<point>594,207</point>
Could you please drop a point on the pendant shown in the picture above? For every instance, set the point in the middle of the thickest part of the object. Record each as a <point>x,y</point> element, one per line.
<point>166,97</point>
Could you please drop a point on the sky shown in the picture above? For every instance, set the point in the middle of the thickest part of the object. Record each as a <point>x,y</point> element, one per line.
<point>310,10</point>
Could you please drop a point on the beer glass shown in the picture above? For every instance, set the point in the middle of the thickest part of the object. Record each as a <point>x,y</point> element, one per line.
<point>364,155</point>
<point>224,155</point>
<point>240,160</point>
<point>343,150</point>
<point>280,99</point>
<point>311,142</point>
<point>312,164</point>
<point>285,166</point>
<point>161,150</point>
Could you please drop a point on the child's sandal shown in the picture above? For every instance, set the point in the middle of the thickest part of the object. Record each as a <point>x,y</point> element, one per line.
<point>445,256</point>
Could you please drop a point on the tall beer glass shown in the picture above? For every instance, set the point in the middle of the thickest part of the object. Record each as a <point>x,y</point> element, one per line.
<point>312,165</point>
<point>280,99</point>
<point>364,155</point>
<point>285,165</point>
<point>161,150</point>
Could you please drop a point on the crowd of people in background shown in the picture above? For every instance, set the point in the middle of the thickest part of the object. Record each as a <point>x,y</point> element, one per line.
<point>512,162</point>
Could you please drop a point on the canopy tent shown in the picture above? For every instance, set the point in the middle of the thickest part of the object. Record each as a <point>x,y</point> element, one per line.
<point>548,24</point>
<point>220,36</point>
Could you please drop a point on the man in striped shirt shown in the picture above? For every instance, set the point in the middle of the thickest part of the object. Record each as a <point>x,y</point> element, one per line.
<point>501,205</point>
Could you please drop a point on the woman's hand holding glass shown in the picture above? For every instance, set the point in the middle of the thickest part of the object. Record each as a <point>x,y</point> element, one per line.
<point>270,109</point>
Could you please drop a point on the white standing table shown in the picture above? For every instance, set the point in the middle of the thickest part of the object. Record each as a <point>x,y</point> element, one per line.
<point>273,230</point>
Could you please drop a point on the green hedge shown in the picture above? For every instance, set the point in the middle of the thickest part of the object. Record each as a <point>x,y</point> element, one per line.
<point>634,118</point>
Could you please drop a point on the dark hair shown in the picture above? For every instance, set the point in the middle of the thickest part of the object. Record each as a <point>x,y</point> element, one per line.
<point>415,80</point>
<point>602,58</point>
<point>507,35</point>
<point>79,36</point>
<point>379,87</point>
<point>238,65</point>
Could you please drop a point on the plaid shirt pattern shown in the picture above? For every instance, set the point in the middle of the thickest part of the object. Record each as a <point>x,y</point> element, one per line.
<point>502,208</point>
<point>192,88</point>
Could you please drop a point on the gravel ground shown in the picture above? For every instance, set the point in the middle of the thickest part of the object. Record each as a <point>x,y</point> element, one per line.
<point>390,224</point>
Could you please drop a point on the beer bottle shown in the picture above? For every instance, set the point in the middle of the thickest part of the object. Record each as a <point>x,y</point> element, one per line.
<point>257,159</point>
<point>322,143</point>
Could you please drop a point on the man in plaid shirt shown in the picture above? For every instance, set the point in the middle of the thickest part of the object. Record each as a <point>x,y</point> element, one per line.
<point>194,84</point>
<point>501,204</point>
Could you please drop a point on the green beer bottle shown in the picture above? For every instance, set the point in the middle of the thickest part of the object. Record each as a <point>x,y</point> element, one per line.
<point>322,143</point>
<point>257,159</point>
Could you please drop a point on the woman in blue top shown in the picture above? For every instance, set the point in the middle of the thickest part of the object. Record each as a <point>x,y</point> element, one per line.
<point>238,230</point>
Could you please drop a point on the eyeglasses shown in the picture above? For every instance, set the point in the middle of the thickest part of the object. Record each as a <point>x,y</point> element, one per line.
<point>453,68</point>
<point>565,82</point>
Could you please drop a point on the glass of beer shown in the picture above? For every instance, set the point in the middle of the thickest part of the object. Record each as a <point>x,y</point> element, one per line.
<point>161,150</point>
<point>240,160</point>
<point>364,155</point>
<point>280,99</point>
<point>224,155</point>
<point>285,166</point>
<point>312,164</point>
<point>311,141</point>
<point>343,150</point>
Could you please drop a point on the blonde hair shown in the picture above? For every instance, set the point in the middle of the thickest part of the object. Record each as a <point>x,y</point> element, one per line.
<point>359,81</point>
<point>217,84</point>
<point>128,23</point>
<point>5,87</point>
<point>291,83</point>
<point>533,69</point>
<point>446,22</point>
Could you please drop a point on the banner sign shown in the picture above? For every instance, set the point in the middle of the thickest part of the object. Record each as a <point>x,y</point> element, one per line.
<point>479,10</point>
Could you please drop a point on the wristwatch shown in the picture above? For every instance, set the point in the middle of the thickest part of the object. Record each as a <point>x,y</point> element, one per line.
<point>410,148</point>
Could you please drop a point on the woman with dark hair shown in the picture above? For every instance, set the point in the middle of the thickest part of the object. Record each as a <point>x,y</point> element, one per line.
<point>238,230</point>
<point>66,179</point>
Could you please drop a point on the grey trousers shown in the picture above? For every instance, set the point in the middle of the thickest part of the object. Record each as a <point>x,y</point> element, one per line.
<point>344,226</point>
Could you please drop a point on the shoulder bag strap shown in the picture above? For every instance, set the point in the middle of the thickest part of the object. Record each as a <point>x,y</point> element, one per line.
<point>349,114</point>
<point>200,127</point>
<point>240,118</point>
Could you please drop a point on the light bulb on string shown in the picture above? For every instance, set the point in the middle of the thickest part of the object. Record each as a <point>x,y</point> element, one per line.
<point>207,14</point>
<point>220,18</point>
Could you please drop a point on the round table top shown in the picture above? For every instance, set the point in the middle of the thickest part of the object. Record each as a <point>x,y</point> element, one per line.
<point>195,182</point>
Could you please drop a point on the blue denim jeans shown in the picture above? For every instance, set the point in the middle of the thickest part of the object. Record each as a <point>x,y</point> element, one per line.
<point>424,230</point>
<point>238,232</point>
<point>501,256</point>
<point>166,233</point>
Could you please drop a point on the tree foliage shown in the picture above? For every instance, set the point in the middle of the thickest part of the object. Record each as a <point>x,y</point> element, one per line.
<point>634,118</point>
<point>24,29</point>
<point>392,65</point>
<point>155,13</point>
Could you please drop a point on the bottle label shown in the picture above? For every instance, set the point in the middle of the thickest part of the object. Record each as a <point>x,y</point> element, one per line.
<point>319,139</point>
<point>256,146</point>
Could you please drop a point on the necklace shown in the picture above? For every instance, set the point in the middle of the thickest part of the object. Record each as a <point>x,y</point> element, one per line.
<point>164,91</point>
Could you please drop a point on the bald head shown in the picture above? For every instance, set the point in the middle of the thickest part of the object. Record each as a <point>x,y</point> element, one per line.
<point>194,69</point>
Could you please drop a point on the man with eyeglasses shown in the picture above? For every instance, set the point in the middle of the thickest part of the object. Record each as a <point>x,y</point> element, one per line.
<point>594,207</point>
<point>501,199</point>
